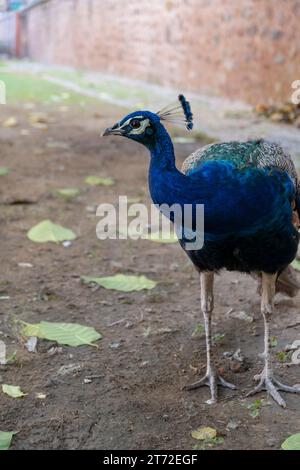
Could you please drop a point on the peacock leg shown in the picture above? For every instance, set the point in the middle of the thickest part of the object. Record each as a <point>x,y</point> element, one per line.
<point>266,379</point>
<point>211,378</point>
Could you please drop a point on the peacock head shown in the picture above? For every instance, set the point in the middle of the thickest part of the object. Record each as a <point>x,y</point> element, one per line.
<point>145,126</point>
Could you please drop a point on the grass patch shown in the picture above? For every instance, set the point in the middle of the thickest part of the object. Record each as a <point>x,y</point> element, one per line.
<point>27,87</point>
<point>110,87</point>
<point>24,87</point>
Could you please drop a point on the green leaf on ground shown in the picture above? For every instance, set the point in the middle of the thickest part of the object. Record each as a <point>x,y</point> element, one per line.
<point>13,391</point>
<point>292,442</point>
<point>122,283</point>
<point>4,171</point>
<point>254,408</point>
<point>32,330</point>
<point>199,329</point>
<point>98,181</point>
<point>218,337</point>
<point>161,237</point>
<point>5,439</point>
<point>296,264</point>
<point>12,358</point>
<point>68,193</point>
<point>273,341</point>
<point>284,356</point>
<point>47,231</point>
<point>70,334</point>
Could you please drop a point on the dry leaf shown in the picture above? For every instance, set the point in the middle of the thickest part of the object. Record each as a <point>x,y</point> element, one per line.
<point>204,433</point>
<point>10,122</point>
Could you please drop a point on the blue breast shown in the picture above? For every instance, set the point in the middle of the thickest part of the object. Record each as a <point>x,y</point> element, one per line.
<point>248,214</point>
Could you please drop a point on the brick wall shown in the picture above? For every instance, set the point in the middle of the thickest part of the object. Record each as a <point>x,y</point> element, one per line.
<point>245,49</point>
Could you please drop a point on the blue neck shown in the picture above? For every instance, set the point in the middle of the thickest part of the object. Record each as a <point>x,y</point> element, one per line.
<point>163,174</point>
<point>162,151</point>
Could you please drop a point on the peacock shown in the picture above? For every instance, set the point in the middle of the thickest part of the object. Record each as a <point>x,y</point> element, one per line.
<point>251,197</point>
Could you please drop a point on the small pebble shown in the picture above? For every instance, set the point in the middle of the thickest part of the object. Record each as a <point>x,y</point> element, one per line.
<point>91,209</point>
<point>31,344</point>
<point>68,369</point>
<point>144,363</point>
<point>232,425</point>
<point>54,350</point>
<point>271,442</point>
<point>41,396</point>
<point>67,243</point>
<point>25,265</point>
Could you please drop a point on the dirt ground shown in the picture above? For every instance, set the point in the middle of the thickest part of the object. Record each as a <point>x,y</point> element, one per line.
<point>149,348</point>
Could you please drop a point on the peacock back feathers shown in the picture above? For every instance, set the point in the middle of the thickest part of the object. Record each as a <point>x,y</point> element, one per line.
<point>253,153</point>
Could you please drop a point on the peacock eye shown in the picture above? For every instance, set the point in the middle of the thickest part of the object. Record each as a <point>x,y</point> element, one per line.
<point>135,123</point>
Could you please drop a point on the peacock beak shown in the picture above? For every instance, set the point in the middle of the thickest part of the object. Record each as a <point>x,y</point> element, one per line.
<point>114,130</point>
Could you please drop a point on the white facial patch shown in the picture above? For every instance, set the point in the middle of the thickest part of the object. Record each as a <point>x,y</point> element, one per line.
<point>144,124</point>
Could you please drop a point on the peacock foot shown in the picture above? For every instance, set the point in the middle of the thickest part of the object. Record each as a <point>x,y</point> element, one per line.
<point>212,379</point>
<point>266,381</point>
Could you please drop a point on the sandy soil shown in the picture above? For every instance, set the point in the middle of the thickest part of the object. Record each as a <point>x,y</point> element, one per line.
<point>136,400</point>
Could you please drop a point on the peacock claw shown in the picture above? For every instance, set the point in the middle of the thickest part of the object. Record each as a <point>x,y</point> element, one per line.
<point>272,385</point>
<point>211,380</point>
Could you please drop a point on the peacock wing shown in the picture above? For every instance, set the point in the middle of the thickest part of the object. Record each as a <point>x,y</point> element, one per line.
<point>263,154</point>
<point>256,153</point>
<point>196,158</point>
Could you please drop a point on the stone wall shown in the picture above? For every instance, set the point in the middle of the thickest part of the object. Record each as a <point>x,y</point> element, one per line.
<point>244,49</point>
